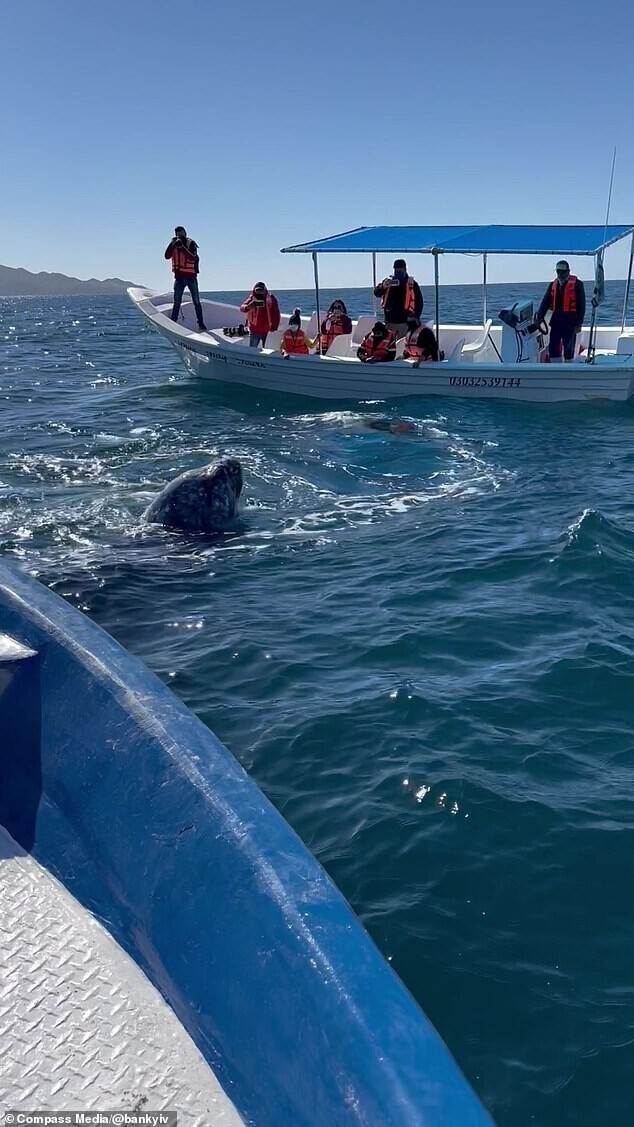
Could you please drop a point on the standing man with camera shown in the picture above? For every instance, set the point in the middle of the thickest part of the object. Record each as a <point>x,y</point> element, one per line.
<point>185,263</point>
<point>401,298</point>
<point>263,314</point>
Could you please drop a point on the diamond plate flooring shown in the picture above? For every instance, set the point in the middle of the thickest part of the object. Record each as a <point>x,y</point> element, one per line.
<point>80,1024</point>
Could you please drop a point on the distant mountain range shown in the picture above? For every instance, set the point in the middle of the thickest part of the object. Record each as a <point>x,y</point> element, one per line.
<point>15,282</point>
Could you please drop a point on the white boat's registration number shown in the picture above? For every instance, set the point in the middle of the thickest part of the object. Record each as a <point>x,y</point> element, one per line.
<point>485,381</point>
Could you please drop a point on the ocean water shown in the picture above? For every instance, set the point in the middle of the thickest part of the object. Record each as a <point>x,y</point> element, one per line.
<point>421,647</point>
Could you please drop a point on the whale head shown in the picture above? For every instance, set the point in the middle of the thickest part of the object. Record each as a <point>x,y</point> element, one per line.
<point>200,500</point>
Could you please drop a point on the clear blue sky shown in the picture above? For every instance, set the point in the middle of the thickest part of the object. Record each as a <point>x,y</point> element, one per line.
<point>257,125</point>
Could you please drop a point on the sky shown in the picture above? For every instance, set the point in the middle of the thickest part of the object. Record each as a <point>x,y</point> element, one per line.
<point>260,125</point>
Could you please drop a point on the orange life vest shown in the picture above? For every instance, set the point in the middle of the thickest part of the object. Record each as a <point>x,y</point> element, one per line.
<point>569,301</point>
<point>329,330</point>
<point>378,349</point>
<point>420,352</point>
<point>183,261</point>
<point>410,296</point>
<point>254,314</point>
<point>294,344</point>
<point>412,350</point>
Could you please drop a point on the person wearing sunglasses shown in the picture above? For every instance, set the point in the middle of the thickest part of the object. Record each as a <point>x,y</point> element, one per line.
<point>566,299</point>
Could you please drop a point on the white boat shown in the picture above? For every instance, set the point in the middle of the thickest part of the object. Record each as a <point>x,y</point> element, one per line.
<point>499,361</point>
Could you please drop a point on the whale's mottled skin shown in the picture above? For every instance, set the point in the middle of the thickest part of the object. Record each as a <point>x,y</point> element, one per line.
<point>202,500</point>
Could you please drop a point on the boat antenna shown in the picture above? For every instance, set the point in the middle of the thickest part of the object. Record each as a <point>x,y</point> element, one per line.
<point>599,289</point>
<point>607,210</point>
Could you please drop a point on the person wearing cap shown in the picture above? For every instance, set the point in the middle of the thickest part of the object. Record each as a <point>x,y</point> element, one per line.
<point>401,297</point>
<point>263,314</point>
<point>183,253</point>
<point>566,298</point>
<point>378,345</point>
<point>420,342</point>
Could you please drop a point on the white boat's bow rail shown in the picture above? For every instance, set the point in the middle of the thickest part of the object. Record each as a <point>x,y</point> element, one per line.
<point>149,822</point>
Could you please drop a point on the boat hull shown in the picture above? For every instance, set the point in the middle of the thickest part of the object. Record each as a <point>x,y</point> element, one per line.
<point>209,356</point>
<point>112,785</point>
<point>533,383</point>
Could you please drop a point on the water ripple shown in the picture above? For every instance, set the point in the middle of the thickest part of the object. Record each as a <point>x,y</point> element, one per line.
<point>421,646</point>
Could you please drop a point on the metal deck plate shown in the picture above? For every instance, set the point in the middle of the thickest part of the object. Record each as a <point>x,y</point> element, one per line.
<point>81,1027</point>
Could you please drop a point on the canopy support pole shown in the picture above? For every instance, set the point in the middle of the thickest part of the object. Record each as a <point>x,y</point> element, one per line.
<point>374,282</point>
<point>598,264</point>
<point>435,254</point>
<point>593,320</point>
<point>484,290</point>
<point>627,286</point>
<point>316,273</point>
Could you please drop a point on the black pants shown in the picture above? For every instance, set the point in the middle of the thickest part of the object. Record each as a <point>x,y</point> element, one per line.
<point>562,335</point>
<point>189,281</point>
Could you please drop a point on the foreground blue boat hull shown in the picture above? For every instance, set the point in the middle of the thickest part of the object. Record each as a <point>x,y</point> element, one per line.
<point>152,824</point>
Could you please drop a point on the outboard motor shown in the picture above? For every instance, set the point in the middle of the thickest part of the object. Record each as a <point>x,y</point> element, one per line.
<point>522,340</point>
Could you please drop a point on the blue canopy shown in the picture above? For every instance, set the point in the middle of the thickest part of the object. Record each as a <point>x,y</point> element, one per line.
<point>493,239</point>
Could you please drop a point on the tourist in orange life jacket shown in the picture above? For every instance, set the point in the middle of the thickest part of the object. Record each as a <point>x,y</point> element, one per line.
<point>566,297</point>
<point>333,325</point>
<point>400,296</point>
<point>379,345</point>
<point>185,264</point>
<point>263,314</point>
<point>294,341</point>
<point>420,343</point>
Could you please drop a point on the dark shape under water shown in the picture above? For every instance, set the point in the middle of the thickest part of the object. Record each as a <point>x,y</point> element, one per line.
<point>201,500</point>
<point>392,426</point>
